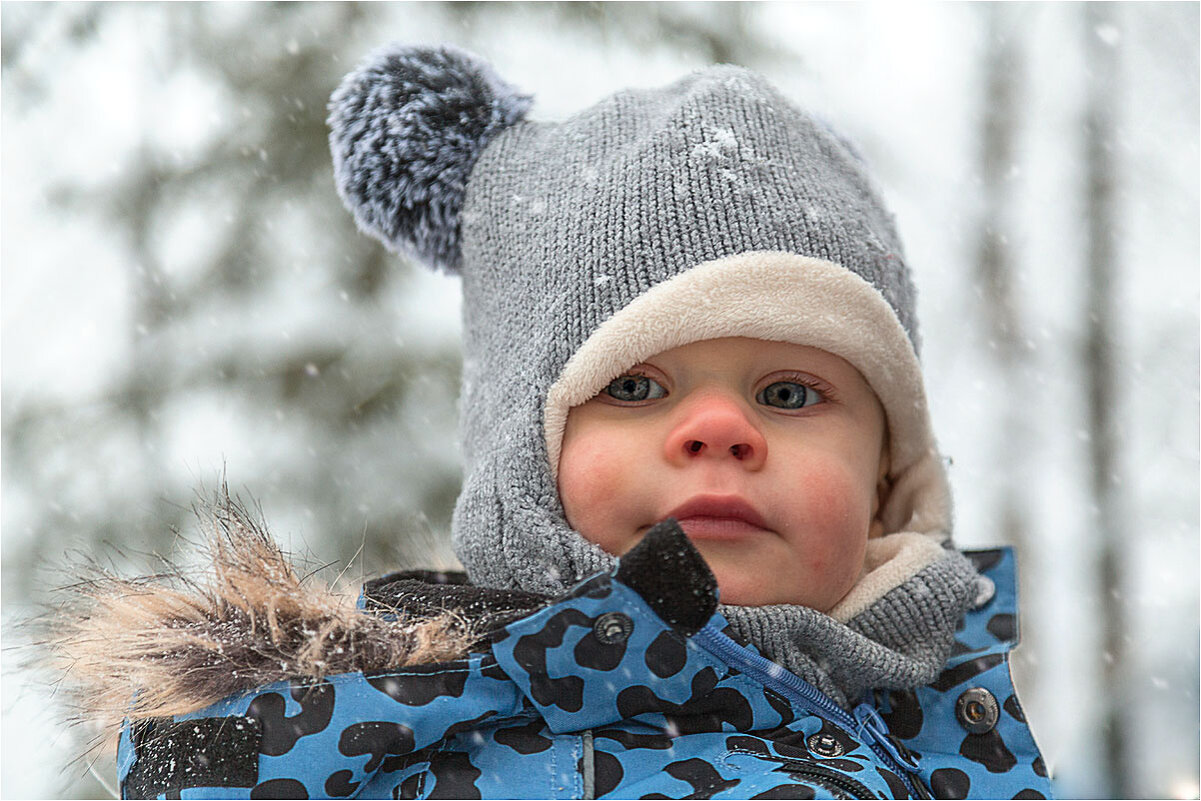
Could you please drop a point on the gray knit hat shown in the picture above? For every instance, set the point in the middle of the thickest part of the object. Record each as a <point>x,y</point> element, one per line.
<point>712,207</point>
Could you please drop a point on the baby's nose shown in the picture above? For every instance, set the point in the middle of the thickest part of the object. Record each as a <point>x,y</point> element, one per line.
<point>716,426</point>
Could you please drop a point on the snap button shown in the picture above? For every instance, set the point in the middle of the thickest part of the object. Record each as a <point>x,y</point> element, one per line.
<point>612,628</point>
<point>825,745</point>
<point>977,710</point>
<point>985,590</point>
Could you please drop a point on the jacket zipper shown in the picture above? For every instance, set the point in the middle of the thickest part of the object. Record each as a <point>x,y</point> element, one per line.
<point>796,688</point>
<point>833,781</point>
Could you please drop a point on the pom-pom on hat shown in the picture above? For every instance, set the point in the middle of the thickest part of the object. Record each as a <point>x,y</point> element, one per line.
<point>712,207</point>
<point>406,129</point>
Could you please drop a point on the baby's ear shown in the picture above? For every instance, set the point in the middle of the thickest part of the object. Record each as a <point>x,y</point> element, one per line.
<point>406,128</point>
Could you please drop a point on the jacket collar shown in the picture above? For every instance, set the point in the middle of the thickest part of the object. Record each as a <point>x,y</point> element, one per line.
<point>663,586</point>
<point>619,646</point>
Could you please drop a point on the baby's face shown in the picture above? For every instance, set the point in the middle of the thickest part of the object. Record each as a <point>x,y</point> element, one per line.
<point>770,455</point>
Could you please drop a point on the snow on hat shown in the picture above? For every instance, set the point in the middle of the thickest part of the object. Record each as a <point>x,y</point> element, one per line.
<point>709,208</point>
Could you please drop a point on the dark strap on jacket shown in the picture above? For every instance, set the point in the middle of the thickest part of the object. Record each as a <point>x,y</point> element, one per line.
<point>205,752</point>
<point>422,593</point>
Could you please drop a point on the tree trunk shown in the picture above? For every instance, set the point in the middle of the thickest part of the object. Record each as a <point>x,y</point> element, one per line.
<point>1099,358</point>
<point>996,279</point>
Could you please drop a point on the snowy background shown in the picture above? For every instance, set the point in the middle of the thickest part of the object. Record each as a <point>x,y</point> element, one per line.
<point>184,297</point>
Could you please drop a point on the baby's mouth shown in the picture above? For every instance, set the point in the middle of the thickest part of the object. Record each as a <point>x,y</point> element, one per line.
<point>719,517</point>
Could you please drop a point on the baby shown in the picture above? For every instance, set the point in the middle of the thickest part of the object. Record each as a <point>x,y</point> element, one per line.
<point>690,377</point>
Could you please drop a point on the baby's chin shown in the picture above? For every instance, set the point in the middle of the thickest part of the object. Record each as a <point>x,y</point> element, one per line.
<point>742,592</point>
<point>746,584</point>
<point>742,587</point>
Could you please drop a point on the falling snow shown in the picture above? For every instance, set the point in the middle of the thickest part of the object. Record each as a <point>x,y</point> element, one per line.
<point>75,328</point>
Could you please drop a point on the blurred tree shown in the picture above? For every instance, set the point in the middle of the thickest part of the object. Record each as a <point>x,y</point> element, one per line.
<point>998,294</point>
<point>1106,439</point>
<point>336,406</point>
<point>340,387</point>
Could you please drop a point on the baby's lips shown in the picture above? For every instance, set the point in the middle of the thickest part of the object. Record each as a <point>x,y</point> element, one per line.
<point>719,507</point>
<point>719,528</point>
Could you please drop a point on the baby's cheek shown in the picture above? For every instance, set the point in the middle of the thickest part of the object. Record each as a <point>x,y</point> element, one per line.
<point>837,500</point>
<point>582,472</point>
<point>837,513</point>
<point>591,484</point>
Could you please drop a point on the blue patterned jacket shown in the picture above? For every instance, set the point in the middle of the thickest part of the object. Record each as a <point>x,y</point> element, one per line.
<point>627,687</point>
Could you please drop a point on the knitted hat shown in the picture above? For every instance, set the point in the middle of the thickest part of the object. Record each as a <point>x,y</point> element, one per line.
<point>710,208</point>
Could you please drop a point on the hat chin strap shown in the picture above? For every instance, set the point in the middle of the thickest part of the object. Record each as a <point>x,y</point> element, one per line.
<point>786,297</point>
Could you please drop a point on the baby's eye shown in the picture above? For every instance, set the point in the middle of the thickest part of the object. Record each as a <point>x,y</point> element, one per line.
<point>788,395</point>
<point>634,388</point>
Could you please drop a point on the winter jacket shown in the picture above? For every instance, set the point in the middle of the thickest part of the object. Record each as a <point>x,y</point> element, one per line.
<point>629,686</point>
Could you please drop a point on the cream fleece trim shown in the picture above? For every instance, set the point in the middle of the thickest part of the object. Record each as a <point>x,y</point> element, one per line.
<point>788,298</point>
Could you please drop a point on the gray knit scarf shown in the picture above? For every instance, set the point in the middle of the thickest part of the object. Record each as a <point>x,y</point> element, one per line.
<point>899,642</point>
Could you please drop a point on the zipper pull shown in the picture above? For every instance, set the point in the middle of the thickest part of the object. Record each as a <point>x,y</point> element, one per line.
<point>870,721</point>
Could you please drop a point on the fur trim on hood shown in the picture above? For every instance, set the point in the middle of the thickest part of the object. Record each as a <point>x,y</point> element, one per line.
<point>178,641</point>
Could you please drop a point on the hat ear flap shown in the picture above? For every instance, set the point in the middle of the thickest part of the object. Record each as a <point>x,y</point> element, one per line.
<point>406,128</point>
